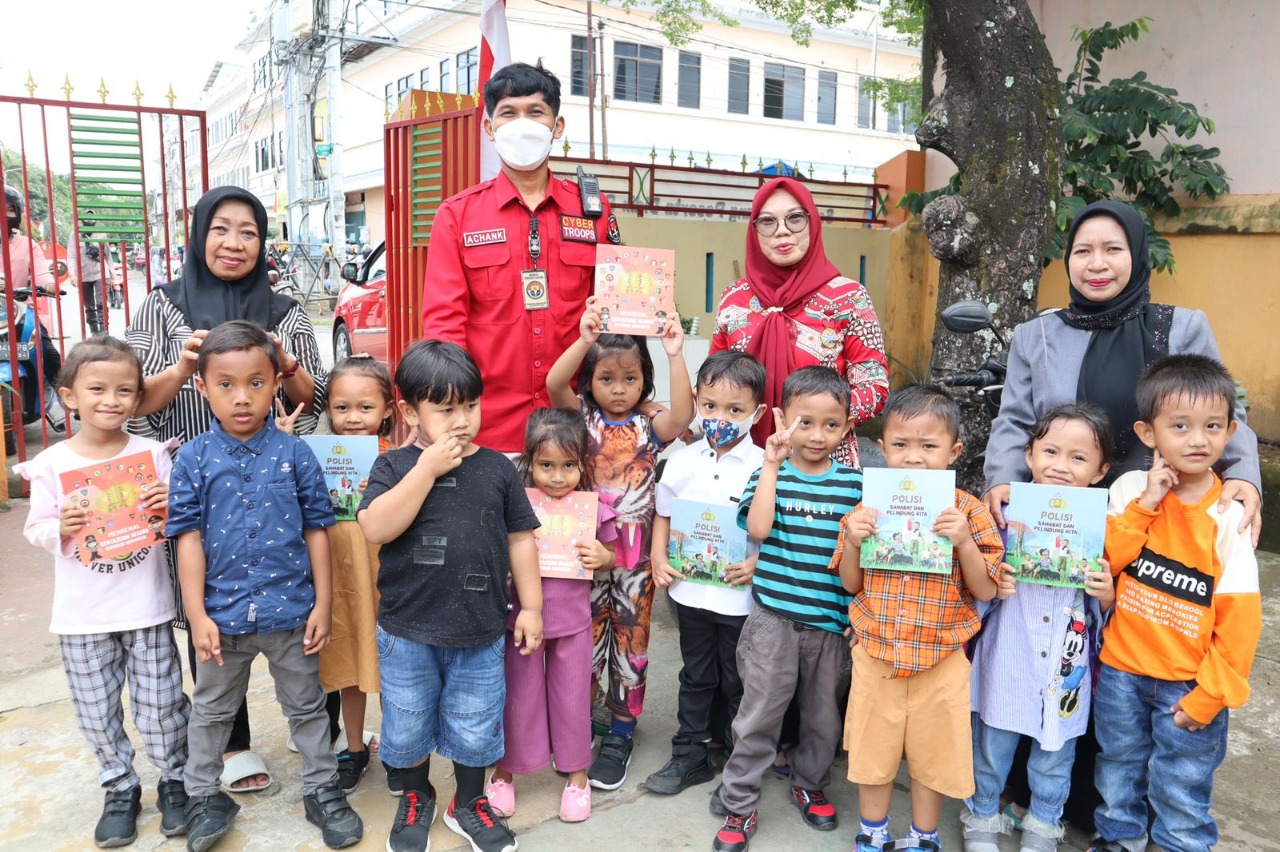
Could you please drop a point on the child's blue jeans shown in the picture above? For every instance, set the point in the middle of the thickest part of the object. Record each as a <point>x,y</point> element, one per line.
<point>1144,754</point>
<point>1048,771</point>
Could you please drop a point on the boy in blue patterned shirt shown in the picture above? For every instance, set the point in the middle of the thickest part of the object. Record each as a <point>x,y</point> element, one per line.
<point>795,635</point>
<point>248,508</point>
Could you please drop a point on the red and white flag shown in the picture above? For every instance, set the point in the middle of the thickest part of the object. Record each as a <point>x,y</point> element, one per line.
<point>495,54</point>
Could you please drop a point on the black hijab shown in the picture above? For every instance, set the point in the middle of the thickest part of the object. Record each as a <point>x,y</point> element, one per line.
<point>205,300</point>
<point>1129,333</point>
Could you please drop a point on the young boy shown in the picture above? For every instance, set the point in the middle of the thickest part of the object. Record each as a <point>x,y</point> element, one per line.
<point>730,387</point>
<point>1177,651</point>
<point>792,506</point>
<point>910,676</point>
<point>453,521</point>
<point>248,508</point>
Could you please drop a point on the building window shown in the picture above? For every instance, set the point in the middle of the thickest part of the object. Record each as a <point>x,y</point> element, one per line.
<point>263,73</point>
<point>866,103</point>
<point>424,79</point>
<point>637,72</point>
<point>739,85</point>
<point>446,75</point>
<point>578,66</point>
<point>783,91</point>
<point>402,87</point>
<point>826,97</point>
<point>391,96</point>
<point>690,84</point>
<point>898,119</point>
<point>469,71</point>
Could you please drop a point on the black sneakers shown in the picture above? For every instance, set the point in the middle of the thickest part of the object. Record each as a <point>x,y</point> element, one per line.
<point>688,766</point>
<point>208,818</point>
<point>609,770</point>
<point>412,827</point>
<point>171,801</point>
<point>735,834</point>
<point>328,808</point>
<point>118,825</point>
<point>483,829</point>
<point>395,786</point>
<point>351,768</point>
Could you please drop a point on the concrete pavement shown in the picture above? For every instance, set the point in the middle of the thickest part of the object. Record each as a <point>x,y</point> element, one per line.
<point>52,800</point>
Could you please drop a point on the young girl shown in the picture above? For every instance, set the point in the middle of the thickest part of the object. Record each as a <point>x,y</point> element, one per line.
<point>615,374</point>
<point>1046,635</point>
<point>113,615</point>
<point>548,706</point>
<point>359,403</point>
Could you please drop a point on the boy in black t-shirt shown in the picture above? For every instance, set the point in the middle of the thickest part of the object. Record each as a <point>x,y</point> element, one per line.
<point>453,520</point>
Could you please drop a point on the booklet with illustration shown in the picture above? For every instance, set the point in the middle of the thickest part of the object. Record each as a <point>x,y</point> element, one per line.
<point>1055,533</point>
<point>565,522</point>
<point>906,503</point>
<point>112,492</point>
<point>635,289</point>
<point>346,461</point>
<point>705,537</point>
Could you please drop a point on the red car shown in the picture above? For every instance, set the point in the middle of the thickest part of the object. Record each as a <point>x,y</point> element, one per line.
<point>360,317</point>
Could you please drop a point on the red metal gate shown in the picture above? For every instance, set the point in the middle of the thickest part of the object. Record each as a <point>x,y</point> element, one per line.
<point>115,177</point>
<point>431,150</point>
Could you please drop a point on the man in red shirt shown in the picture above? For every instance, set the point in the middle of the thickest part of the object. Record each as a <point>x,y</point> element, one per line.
<point>512,259</point>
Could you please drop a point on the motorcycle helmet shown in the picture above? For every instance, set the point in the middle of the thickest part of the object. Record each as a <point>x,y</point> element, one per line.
<point>14,202</point>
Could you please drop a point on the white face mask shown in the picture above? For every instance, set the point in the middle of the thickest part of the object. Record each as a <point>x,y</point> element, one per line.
<point>522,143</point>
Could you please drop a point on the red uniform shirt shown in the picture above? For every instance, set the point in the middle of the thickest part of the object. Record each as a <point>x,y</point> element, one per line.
<point>473,293</point>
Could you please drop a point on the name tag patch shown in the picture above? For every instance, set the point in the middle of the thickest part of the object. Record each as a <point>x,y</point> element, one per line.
<point>577,229</point>
<point>471,239</point>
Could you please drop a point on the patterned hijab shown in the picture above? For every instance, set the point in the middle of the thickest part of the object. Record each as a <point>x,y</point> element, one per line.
<point>205,300</point>
<point>782,292</point>
<point>1128,334</point>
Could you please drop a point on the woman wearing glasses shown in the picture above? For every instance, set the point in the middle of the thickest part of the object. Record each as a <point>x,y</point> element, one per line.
<point>794,309</point>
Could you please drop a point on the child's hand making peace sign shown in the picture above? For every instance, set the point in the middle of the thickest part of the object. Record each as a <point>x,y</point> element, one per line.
<point>778,448</point>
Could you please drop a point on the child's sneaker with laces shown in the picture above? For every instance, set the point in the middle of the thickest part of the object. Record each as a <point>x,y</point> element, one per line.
<point>735,834</point>
<point>410,832</point>
<point>816,811</point>
<point>483,829</point>
<point>502,797</point>
<point>575,803</point>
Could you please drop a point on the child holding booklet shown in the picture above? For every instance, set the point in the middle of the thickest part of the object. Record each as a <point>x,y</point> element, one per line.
<point>1047,635</point>
<point>910,676</point>
<point>113,624</point>
<point>548,704</point>
<point>715,470</point>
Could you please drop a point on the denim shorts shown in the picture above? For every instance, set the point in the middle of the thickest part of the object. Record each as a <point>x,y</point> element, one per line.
<point>446,700</point>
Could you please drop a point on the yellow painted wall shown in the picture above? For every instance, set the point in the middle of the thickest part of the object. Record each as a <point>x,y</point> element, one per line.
<point>693,240</point>
<point>1231,278</point>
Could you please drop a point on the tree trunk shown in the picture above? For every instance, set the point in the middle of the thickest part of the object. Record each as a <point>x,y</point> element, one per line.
<point>997,118</point>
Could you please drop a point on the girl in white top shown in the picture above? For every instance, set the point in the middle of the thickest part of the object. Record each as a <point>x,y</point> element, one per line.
<point>113,614</point>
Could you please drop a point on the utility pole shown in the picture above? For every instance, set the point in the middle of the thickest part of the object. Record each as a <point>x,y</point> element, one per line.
<point>604,94</point>
<point>591,86</point>
<point>337,219</point>
<point>294,200</point>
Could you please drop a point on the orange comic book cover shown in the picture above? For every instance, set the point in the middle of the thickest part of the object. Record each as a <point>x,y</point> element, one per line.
<point>565,522</point>
<point>112,492</point>
<point>635,289</point>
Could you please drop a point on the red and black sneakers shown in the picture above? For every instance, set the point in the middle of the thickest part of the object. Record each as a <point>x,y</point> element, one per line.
<point>736,833</point>
<point>817,812</point>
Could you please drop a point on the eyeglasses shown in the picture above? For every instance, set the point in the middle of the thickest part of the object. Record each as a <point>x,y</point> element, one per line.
<point>767,226</point>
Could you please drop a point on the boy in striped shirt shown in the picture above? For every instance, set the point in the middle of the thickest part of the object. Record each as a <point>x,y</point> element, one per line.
<point>792,506</point>
<point>910,676</point>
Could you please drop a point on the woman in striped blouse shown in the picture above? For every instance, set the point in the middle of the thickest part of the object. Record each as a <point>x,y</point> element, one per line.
<point>223,278</point>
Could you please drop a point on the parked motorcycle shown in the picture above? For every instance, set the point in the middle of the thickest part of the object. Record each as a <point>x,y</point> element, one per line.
<point>987,382</point>
<point>22,401</point>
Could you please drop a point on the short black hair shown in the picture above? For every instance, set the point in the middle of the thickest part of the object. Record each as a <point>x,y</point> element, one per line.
<point>437,372</point>
<point>919,400</point>
<point>736,368</point>
<point>518,80</point>
<point>237,336</point>
<point>615,344</point>
<point>1197,377</point>
<point>814,381</point>
<point>1087,413</point>
<point>558,427</point>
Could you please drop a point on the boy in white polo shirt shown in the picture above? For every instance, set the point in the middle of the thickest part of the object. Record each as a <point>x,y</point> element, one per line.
<point>715,470</point>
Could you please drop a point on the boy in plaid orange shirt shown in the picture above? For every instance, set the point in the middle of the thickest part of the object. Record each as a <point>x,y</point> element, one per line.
<point>910,677</point>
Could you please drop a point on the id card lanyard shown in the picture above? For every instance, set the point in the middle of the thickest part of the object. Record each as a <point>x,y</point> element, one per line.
<point>534,281</point>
